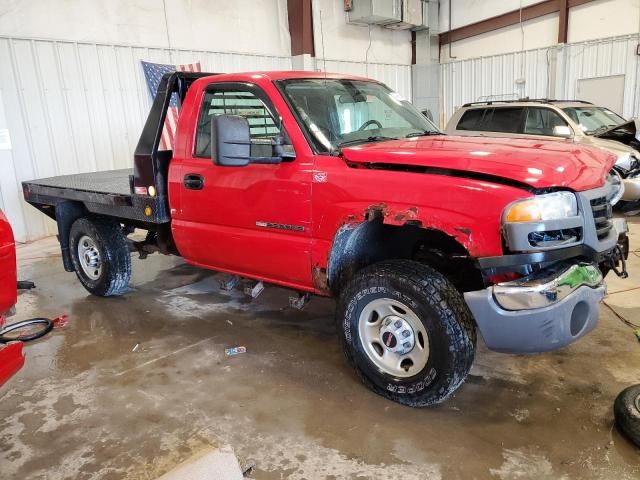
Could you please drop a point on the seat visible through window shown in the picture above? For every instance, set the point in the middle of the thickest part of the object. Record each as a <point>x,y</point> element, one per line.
<point>542,121</point>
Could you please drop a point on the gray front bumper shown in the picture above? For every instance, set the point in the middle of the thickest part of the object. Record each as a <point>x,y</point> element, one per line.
<point>550,309</point>
<point>536,330</point>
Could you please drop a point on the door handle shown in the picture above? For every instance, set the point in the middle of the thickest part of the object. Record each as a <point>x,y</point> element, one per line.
<point>193,181</point>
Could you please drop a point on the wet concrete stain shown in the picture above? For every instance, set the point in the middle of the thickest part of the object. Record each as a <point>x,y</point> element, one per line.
<point>86,406</point>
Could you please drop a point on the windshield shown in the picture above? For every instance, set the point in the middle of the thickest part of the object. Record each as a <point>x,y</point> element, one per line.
<point>594,120</point>
<point>337,113</point>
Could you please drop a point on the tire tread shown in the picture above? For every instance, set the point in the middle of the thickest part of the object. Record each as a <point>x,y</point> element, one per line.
<point>449,305</point>
<point>626,413</point>
<point>115,247</point>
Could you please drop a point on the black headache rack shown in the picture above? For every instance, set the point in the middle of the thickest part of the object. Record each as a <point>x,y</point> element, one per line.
<point>121,194</point>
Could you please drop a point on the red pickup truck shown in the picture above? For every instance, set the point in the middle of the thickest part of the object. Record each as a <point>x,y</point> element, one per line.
<point>337,186</point>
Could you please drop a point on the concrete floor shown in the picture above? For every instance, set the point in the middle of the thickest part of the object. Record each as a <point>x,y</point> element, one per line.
<point>88,404</point>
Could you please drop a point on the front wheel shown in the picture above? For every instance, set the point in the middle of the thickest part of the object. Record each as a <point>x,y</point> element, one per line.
<point>407,332</point>
<point>100,256</point>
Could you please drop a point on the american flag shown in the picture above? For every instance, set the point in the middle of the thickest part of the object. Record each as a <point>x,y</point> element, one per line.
<point>153,73</point>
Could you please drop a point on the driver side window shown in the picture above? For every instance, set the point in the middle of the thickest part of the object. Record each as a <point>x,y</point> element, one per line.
<point>262,126</point>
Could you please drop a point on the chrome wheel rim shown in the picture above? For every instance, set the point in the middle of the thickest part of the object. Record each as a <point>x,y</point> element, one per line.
<point>393,337</point>
<point>89,256</point>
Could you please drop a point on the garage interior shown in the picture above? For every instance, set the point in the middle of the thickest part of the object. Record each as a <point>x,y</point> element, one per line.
<point>193,366</point>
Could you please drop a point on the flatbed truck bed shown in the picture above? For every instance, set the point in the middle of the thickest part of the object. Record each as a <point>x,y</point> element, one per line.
<point>107,193</point>
<point>115,182</point>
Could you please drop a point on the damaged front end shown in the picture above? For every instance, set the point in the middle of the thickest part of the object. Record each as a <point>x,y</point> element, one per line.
<point>542,311</point>
<point>627,133</point>
<point>628,163</point>
<point>560,260</point>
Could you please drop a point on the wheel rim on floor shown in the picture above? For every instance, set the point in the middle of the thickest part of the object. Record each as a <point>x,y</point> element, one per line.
<point>393,337</point>
<point>89,257</point>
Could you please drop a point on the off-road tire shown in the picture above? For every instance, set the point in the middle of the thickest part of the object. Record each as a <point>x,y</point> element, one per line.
<point>114,253</point>
<point>441,309</point>
<point>626,410</point>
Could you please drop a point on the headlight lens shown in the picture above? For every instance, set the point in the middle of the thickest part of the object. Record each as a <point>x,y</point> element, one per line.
<point>549,206</point>
<point>616,187</point>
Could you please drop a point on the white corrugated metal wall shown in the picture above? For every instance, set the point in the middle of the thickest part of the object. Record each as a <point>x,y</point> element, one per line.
<point>397,77</point>
<point>74,107</point>
<point>476,79</point>
<point>602,58</point>
<point>493,77</point>
<point>78,107</point>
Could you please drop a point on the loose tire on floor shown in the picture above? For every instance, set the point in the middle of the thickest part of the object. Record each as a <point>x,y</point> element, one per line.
<point>626,410</point>
<point>413,302</point>
<point>100,255</point>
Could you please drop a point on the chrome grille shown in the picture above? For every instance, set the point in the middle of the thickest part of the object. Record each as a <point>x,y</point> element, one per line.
<point>602,213</point>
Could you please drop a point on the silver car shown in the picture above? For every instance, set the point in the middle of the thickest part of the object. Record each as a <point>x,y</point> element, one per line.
<point>576,121</point>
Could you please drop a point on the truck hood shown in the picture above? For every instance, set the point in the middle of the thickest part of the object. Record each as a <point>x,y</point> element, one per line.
<point>526,163</point>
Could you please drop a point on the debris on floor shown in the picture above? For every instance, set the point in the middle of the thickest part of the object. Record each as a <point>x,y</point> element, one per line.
<point>254,291</point>
<point>60,321</point>
<point>229,282</point>
<point>299,302</point>
<point>231,351</point>
<point>25,285</point>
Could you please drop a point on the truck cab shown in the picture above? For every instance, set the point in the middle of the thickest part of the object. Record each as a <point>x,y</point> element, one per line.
<point>335,185</point>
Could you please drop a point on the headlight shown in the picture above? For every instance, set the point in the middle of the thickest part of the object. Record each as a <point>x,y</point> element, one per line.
<point>616,187</point>
<point>549,206</point>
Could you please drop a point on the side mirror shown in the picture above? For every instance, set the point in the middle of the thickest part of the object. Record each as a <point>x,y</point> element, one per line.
<point>231,141</point>
<point>562,131</point>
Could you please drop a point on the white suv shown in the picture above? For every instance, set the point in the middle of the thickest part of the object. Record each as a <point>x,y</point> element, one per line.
<point>564,120</point>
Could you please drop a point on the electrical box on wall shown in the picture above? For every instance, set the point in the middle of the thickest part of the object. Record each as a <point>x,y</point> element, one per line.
<point>375,12</point>
<point>414,14</point>
<point>394,14</point>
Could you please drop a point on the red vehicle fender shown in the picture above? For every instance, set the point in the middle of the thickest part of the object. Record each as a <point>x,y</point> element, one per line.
<point>11,356</point>
<point>8,274</point>
<point>11,360</point>
<point>445,204</point>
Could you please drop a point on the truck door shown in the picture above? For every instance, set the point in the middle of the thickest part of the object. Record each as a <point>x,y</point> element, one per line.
<point>252,220</point>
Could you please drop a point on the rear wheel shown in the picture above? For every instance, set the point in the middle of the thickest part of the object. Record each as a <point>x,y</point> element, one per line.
<point>407,332</point>
<point>100,256</point>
